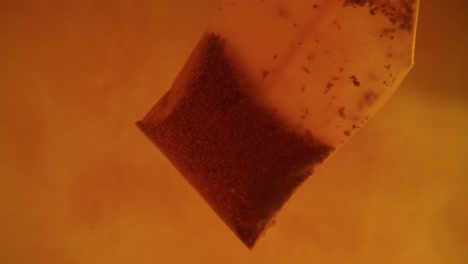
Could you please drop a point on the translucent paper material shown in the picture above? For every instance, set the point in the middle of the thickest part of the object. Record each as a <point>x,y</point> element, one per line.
<point>324,64</point>
<point>271,90</point>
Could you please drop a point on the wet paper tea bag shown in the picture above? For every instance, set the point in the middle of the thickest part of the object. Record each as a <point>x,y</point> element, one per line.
<point>271,90</point>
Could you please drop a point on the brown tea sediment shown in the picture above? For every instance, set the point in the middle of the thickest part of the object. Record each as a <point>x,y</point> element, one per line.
<point>244,160</point>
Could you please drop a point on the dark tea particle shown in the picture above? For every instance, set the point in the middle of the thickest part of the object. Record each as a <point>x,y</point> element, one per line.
<point>244,160</point>
<point>399,13</point>
<point>355,80</point>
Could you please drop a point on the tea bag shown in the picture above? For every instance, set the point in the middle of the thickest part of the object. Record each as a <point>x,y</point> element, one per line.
<point>271,90</point>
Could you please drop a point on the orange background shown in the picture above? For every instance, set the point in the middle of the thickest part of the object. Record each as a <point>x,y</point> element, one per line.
<point>79,183</point>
